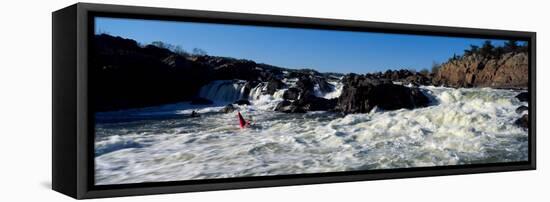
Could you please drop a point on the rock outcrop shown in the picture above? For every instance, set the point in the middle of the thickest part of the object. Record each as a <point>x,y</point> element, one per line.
<point>523,97</point>
<point>360,94</point>
<point>305,104</point>
<point>509,70</point>
<point>301,98</point>
<point>521,109</point>
<point>523,122</point>
<point>404,76</point>
<point>288,106</point>
<point>273,85</point>
<point>291,94</point>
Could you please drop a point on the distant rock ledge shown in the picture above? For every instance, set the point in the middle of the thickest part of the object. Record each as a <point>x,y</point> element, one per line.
<point>511,70</point>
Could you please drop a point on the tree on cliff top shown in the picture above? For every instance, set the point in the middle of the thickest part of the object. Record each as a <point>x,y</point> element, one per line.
<point>487,49</point>
<point>435,67</point>
<point>511,46</point>
<point>514,46</point>
<point>176,49</point>
<point>473,50</point>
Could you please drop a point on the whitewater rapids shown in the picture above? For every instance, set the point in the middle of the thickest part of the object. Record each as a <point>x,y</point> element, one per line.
<point>462,126</point>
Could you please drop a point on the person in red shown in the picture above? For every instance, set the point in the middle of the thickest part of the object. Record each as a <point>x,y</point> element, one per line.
<point>242,123</point>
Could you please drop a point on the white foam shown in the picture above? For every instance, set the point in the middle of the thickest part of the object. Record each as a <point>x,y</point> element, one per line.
<point>338,86</point>
<point>336,91</point>
<point>465,126</point>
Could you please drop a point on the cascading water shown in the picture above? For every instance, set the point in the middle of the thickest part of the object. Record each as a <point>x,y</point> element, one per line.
<point>230,91</point>
<point>335,93</point>
<point>257,91</point>
<point>227,91</point>
<point>223,90</point>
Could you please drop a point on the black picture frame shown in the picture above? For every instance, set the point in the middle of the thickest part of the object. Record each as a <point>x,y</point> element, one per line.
<point>72,83</point>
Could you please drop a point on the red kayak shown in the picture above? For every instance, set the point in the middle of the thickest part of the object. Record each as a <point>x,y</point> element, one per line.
<point>242,123</point>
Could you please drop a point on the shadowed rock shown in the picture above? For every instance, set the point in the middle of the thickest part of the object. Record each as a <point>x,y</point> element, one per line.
<point>523,122</point>
<point>360,94</point>
<point>273,85</point>
<point>309,103</point>
<point>288,107</point>
<point>523,97</point>
<point>291,94</point>
<point>305,84</point>
<point>521,109</point>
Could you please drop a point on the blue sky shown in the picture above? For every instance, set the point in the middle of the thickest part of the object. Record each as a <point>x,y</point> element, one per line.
<point>323,50</point>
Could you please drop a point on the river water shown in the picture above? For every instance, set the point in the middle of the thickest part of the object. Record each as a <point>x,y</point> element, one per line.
<point>462,126</point>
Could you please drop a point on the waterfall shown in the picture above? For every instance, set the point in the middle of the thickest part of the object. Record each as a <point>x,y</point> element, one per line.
<point>337,86</point>
<point>257,91</point>
<point>231,91</point>
<point>223,90</point>
<point>228,91</point>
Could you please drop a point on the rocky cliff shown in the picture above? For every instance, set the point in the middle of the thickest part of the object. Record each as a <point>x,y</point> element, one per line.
<point>509,70</point>
<point>129,75</point>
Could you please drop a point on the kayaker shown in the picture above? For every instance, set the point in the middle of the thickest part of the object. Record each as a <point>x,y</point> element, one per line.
<point>242,122</point>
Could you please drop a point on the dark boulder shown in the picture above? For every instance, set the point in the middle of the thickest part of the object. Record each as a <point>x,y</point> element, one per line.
<point>289,107</point>
<point>360,94</point>
<point>396,75</point>
<point>307,103</point>
<point>521,109</point>
<point>291,94</point>
<point>242,102</point>
<point>312,103</point>
<point>273,85</point>
<point>523,122</point>
<point>194,114</point>
<point>201,101</point>
<point>228,108</point>
<point>303,89</point>
<point>305,84</point>
<point>418,79</point>
<point>419,98</point>
<point>523,97</point>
